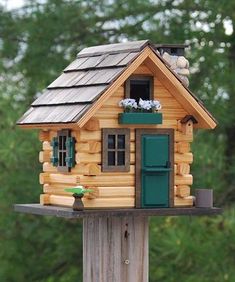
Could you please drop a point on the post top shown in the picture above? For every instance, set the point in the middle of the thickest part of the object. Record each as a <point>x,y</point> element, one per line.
<point>57,211</point>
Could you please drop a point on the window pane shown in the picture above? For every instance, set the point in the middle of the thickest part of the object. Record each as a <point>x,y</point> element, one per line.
<point>60,159</point>
<point>111,141</point>
<point>121,141</point>
<point>121,158</point>
<point>174,51</point>
<point>64,142</point>
<point>64,156</point>
<point>111,157</point>
<point>60,142</point>
<point>140,89</point>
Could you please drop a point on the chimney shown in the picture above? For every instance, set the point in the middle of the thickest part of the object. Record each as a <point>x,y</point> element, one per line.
<point>174,55</point>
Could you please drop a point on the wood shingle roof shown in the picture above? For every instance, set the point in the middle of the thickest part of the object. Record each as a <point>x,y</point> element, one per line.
<point>67,98</point>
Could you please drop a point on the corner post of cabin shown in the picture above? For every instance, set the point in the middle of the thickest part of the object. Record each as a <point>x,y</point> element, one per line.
<point>115,248</point>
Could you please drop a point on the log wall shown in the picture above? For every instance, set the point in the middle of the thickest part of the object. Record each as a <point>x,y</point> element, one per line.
<point>115,189</point>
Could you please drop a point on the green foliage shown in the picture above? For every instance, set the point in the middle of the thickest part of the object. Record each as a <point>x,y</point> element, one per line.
<point>193,249</point>
<point>36,43</point>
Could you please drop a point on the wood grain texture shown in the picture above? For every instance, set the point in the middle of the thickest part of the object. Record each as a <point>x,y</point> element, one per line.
<point>46,146</point>
<point>45,156</point>
<point>92,125</point>
<point>85,135</point>
<point>143,69</point>
<point>84,169</point>
<point>103,192</point>
<point>184,158</point>
<point>186,179</point>
<point>95,147</point>
<point>44,199</point>
<point>183,168</point>
<point>182,191</point>
<point>111,123</point>
<point>109,202</point>
<point>110,251</point>
<point>180,137</point>
<point>43,135</point>
<point>108,180</point>
<point>88,147</point>
<point>175,169</point>
<point>95,158</point>
<point>59,178</point>
<point>183,147</point>
<point>183,202</point>
<point>67,201</point>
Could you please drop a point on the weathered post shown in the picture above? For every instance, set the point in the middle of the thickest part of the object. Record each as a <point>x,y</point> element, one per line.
<point>115,249</point>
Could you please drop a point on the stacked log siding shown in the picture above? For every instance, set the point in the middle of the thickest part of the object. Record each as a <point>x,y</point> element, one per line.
<point>115,189</point>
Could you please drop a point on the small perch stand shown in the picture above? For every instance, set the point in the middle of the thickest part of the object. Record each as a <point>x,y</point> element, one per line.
<point>78,194</point>
<point>78,204</point>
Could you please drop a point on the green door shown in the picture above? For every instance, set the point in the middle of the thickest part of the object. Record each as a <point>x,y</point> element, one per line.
<point>155,170</point>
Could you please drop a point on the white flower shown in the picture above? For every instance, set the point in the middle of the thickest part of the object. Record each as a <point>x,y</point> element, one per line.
<point>128,103</point>
<point>145,104</point>
<point>156,105</point>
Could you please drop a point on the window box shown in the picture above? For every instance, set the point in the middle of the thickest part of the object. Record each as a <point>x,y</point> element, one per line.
<point>140,118</point>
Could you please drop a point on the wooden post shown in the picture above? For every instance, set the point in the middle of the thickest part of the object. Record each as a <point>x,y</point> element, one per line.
<point>115,249</point>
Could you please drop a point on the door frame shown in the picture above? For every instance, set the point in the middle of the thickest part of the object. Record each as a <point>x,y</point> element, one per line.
<point>138,153</point>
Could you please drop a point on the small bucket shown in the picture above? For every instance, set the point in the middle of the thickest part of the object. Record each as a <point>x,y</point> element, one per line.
<point>204,198</point>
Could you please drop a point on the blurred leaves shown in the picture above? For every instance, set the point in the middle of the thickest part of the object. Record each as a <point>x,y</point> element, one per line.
<point>193,249</point>
<point>36,43</point>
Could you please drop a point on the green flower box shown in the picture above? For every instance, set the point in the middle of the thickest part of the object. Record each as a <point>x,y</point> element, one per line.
<point>140,118</point>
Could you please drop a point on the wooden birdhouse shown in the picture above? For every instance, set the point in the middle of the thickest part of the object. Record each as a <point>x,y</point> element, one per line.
<point>118,121</point>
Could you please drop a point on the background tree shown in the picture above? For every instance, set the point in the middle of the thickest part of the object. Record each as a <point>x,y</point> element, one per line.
<point>36,42</point>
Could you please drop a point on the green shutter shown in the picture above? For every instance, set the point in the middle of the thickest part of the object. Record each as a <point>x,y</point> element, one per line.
<point>54,144</point>
<point>70,146</point>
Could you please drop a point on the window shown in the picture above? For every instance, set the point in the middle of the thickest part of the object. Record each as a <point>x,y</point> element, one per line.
<point>116,149</point>
<point>63,156</point>
<point>139,87</point>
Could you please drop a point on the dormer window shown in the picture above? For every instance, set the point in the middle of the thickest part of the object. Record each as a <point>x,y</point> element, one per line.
<point>139,87</point>
<point>174,51</point>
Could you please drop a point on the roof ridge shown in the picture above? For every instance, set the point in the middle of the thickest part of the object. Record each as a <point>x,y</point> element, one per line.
<point>129,46</point>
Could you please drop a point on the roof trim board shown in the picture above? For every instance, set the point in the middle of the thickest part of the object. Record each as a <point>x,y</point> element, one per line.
<point>133,46</point>
<point>48,126</point>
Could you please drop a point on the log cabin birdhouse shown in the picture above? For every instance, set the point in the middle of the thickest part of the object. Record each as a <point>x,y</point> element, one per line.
<point>119,120</point>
